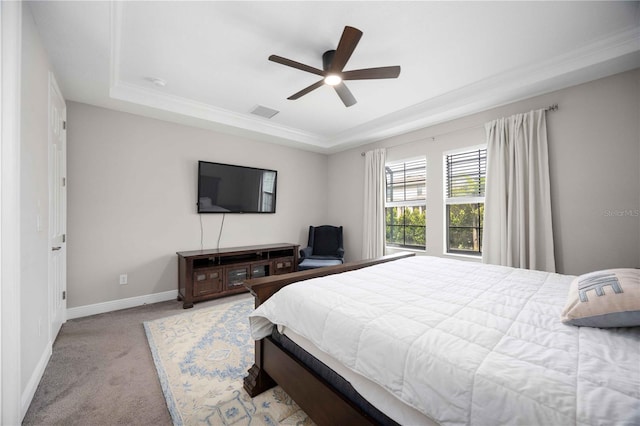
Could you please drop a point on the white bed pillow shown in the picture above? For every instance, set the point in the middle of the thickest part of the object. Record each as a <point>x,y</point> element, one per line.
<point>604,299</point>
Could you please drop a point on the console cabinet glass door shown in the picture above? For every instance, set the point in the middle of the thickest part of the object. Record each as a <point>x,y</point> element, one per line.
<point>259,269</point>
<point>236,275</point>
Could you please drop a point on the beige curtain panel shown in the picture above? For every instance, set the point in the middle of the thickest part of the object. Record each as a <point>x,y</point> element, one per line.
<point>373,233</point>
<point>517,218</point>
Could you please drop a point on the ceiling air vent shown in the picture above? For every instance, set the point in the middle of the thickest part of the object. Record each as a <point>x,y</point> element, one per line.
<point>264,111</point>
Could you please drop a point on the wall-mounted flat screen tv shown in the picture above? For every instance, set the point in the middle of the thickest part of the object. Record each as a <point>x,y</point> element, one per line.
<point>226,188</point>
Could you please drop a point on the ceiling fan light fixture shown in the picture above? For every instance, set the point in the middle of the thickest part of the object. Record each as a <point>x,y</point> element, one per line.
<point>332,72</point>
<point>333,79</point>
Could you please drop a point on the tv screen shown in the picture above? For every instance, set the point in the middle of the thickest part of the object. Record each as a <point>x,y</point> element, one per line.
<point>225,188</point>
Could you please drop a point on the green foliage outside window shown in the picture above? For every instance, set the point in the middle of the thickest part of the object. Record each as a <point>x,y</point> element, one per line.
<point>405,226</point>
<point>465,227</point>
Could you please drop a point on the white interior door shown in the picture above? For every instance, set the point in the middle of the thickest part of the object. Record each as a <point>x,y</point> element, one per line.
<point>57,208</point>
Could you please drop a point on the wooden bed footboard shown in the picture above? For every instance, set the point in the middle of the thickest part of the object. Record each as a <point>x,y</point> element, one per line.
<point>275,365</point>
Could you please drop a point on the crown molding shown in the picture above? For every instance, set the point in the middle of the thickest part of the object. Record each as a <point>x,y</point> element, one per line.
<point>115,36</point>
<point>151,98</point>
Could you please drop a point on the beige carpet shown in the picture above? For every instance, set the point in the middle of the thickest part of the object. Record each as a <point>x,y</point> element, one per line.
<point>202,357</point>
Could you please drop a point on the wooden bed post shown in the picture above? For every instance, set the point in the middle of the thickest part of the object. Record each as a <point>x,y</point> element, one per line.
<point>258,381</point>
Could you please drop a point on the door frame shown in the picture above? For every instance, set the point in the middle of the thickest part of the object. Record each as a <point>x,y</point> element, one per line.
<point>10,83</point>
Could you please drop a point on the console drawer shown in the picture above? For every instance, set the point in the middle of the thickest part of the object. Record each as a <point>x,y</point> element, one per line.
<point>283,265</point>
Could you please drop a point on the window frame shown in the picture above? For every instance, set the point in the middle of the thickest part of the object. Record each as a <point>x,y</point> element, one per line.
<point>448,201</point>
<point>406,203</point>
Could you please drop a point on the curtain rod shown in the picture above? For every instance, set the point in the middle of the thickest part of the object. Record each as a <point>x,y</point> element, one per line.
<point>553,107</point>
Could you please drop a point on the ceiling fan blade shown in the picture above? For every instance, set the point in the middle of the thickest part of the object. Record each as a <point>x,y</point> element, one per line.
<point>346,46</point>
<point>345,94</point>
<point>306,90</point>
<point>372,73</point>
<point>294,64</point>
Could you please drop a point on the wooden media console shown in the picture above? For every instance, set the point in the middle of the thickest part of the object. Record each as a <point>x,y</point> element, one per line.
<point>209,274</point>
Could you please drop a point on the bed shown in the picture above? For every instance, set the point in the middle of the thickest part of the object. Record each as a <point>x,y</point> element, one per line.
<point>427,340</point>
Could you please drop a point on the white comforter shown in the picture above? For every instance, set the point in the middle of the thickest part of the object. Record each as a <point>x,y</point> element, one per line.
<point>466,343</point>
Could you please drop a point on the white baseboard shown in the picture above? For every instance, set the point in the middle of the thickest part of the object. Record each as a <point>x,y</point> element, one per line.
<point>34,380</point>
<point>115,305</point>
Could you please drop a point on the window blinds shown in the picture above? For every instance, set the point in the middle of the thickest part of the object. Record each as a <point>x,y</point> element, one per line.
<point>466,173</point>
<point>406,181</point>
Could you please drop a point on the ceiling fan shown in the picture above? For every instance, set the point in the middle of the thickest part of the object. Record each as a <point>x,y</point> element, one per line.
<point>333,63</point>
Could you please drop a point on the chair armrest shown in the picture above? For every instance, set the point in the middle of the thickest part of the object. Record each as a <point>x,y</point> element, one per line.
<point>306,252</point>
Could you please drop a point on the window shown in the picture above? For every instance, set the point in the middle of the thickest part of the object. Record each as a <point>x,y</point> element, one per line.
<point>465,184</point>
<point>405,206</point>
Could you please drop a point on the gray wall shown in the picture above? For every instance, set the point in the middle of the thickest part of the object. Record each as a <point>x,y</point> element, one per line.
<point>132,200</point>
<point>594,150</point>
<point>34,201</point>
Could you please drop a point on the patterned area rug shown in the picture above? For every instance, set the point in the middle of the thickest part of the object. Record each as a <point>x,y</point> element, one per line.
<point>201,357</point>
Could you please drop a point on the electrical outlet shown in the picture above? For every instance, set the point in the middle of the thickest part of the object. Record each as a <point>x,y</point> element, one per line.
<point>123,279</point>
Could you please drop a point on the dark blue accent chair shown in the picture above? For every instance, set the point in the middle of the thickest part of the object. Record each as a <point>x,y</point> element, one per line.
<point>324,248</point>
